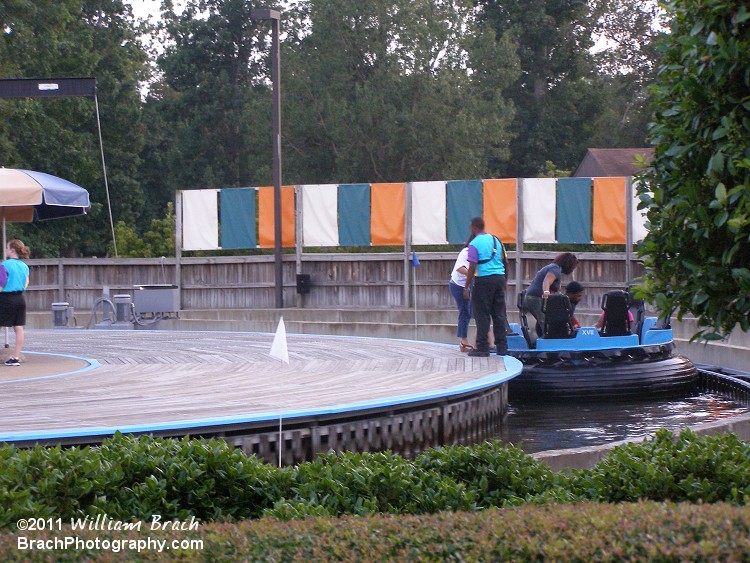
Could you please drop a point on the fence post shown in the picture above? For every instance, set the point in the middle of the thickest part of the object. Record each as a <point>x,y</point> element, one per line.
<point>628,228</point>
<point>298,227</point>
<point>519,237</point>
<point>178,245</point>
<point>408,270</point>
<point>60,281</point>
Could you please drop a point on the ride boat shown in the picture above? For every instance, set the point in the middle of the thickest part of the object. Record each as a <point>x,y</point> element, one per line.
<point>631,357</point>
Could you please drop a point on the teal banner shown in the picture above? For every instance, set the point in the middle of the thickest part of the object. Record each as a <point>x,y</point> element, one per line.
<point>464,202</point>
<point>354,214</point>
<point>573,210</point>
<point>237,218</point>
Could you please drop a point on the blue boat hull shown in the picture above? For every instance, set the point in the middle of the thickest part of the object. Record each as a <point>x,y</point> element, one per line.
<point>589,370</point>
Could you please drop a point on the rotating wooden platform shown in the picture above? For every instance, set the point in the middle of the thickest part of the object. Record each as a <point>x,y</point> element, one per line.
<point>396,394</point>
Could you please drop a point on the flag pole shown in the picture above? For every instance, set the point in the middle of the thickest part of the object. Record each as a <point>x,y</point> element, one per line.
<point>280,440</point>
<point>280,350</point>
<point>414,264</point>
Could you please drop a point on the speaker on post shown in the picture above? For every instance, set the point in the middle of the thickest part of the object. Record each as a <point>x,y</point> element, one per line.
<point>303,284</point>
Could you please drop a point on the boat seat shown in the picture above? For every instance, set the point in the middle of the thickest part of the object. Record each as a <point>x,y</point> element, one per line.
<point>524,322</point>
<point>637,309</point>
<point>664,321</point>
<point>616,319</point>
<point>557,317</point>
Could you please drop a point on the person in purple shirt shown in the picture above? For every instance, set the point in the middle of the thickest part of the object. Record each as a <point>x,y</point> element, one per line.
<point>487,268</point>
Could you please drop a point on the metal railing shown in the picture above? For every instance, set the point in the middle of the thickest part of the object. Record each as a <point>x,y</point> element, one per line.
<point>732,386</point>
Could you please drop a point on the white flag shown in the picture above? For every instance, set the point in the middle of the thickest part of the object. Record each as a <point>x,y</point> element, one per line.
<point>278,347</point>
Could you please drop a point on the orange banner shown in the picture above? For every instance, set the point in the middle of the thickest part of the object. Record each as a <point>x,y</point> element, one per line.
<point>387,212</point>
<point>609,211</point>
<point>266,237</point>
<point>500,209</point>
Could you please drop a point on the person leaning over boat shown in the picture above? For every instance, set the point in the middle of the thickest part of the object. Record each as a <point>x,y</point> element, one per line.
<point>546,281</point>
<point>487,260</point>
<point>12,302</point>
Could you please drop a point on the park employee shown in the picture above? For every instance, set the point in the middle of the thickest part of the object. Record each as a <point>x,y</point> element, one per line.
<point>487,260</point>
<point>14,278</point>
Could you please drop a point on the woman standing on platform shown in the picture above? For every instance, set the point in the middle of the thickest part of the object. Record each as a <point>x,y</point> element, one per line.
<point>12,302</point>
<point>456,284</point>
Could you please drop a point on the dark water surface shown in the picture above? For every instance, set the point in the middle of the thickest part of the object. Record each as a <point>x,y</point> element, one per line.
<point>539,427</point>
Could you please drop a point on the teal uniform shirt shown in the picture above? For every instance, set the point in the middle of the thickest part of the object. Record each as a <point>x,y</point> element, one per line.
<point>18,275</point>
<point>480,249</point>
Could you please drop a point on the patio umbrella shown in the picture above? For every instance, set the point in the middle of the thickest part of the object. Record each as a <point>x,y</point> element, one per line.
<point>26,195</point>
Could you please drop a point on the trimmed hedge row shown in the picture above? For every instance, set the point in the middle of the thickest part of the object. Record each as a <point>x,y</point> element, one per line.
<point>129,478</point>
<point>644,531</point>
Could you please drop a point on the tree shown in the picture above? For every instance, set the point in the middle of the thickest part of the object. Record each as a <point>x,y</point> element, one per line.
<point>158,240</point>
<point>552,38</point>
<point>569,97</point>
<point>394,90</point>
<point>67,39</point>
<point>210,111</point>
<point>697,191</point>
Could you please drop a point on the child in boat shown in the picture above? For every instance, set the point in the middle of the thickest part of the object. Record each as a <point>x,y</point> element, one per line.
<point>574,291</point>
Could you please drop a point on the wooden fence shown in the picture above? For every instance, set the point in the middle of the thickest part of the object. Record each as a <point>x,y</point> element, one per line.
<point>337,280</point>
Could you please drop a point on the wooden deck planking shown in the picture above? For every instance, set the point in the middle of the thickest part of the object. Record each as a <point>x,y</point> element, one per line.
<point>152,377</point>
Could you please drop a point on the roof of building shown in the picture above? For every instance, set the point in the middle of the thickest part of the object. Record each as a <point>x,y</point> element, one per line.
<point>612,162</point>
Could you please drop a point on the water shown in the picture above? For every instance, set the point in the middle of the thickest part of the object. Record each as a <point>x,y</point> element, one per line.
<point>552,427</point>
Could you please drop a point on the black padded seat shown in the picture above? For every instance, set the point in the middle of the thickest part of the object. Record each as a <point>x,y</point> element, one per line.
<point>616,319</point>
<point>637,308</point>
<point>557,317</point>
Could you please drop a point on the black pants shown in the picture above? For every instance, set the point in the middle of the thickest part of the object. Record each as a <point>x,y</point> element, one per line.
<point>488,304</point>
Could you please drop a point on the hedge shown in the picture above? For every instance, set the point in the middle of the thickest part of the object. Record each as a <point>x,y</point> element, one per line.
<point>132,478</point>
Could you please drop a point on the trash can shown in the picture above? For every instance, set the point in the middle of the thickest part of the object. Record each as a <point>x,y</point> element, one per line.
<point>123,307</point>
<point>61,313</point>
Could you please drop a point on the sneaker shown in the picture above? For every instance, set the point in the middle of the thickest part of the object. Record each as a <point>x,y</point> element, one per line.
<point>478,354</point>
<point>12,362</point>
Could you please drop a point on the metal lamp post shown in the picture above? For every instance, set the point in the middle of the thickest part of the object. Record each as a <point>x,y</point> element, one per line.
<point>275,17</point>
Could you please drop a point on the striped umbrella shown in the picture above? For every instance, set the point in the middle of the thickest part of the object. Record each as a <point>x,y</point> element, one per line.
<point>27,195</point>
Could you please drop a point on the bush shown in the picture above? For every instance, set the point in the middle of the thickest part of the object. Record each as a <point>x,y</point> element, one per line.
<point>129,478</point>
<point>210,480</point>
<point>496,474</point>
<point>363,483</point>
<point>689,468</point>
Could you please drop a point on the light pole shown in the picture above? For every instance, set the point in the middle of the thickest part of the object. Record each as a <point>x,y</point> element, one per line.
<point>275,17</point>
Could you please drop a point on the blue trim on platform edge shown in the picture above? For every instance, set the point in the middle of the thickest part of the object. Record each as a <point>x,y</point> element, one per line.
<point>93,364</point>
<point>513,368</point>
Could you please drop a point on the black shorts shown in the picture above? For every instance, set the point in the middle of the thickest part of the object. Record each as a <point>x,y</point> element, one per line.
<point>12,309</point>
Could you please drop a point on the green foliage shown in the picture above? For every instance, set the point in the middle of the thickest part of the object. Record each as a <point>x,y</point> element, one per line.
<point>697,192</point>
<point>72,38</point>
<point>354,483</point>
<point>688,468</point>
<point>392,90</point>
<point>498,475</point>
<point>177,478</point>
<point>158,240</point>
<point>644,531</point>
<point>131,477</point>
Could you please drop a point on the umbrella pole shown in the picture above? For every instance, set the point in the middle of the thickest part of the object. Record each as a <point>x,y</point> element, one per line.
<point>7,329</point>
